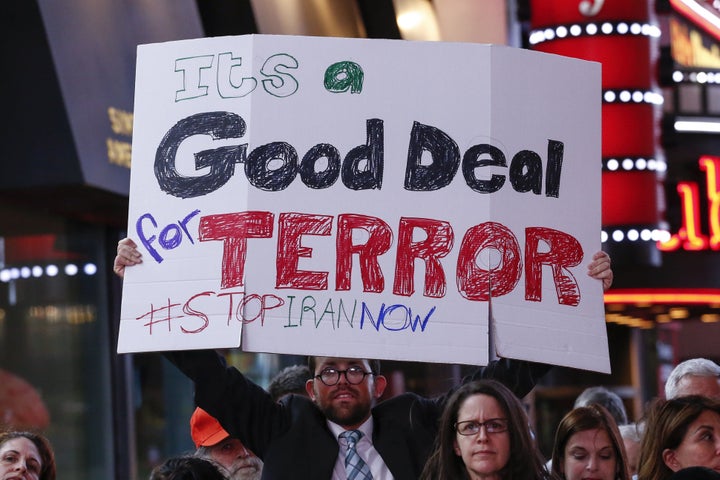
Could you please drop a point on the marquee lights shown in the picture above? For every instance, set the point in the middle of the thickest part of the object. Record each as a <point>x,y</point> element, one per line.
<point>631,234</point>
<point>632,96</point>
<point>634,164</point>
<point>590,29</point>
<point>36,271</point>
<point>623,38</point>
<point>679,76</point>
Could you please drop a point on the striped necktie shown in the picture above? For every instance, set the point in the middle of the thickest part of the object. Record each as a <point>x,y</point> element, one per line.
<point>355,466</point>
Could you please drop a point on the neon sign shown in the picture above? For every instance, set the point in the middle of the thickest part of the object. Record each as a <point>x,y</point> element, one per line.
<point>689,236</point>
<point>704,13</point>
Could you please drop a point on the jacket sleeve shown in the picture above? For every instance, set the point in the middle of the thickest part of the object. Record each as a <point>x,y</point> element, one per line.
<point>243,408</point>
<point>520,376</point>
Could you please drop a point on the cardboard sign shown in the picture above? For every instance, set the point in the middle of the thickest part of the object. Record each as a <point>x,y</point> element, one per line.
<point>365,198</point>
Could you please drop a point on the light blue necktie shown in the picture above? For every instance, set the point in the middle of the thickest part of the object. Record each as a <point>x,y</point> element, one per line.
<point>355,466</point>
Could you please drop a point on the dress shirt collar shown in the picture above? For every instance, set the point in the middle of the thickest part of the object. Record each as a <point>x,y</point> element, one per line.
<point>366,428</point>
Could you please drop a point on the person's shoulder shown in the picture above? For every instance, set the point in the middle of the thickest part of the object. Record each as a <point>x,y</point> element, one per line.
<point>696,473</point>
<point>299,407</point>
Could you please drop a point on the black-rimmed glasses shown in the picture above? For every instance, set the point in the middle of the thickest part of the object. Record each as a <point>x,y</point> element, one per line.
<point>353,375</point>
<point>471,427</point>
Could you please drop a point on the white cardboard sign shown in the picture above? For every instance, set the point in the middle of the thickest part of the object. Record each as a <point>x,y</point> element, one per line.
<point>365,198</point>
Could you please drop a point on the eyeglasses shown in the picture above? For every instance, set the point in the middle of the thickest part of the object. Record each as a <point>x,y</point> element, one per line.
<point>471,427</point>
<point>353,375</point>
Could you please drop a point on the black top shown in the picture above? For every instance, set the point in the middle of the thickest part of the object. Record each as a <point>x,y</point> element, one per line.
<point>292,437</point>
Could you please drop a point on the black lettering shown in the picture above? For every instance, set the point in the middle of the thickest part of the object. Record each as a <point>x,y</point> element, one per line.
<point>526,172</point>
<point>259,171</point>
<point>554,167</point>
<point>315,178</point>
<point>354,176</point>
<point>445,159</point>
<point>219,125</point>
<point>471,161</point>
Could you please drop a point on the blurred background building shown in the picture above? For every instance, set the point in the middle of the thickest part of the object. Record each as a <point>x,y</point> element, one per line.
<point>64,179</point>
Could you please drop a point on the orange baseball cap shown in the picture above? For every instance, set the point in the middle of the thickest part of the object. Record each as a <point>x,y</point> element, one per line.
<point>205,430</point>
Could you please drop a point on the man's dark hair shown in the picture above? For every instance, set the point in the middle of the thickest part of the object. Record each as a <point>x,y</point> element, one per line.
<point>374,365</point>
<point>289,380</point>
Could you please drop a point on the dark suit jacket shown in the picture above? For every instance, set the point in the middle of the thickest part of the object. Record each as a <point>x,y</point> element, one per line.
<point>292,436</point>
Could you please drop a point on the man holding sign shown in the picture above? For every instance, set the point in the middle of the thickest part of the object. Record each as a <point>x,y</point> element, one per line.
<point>301,436</point>
<point>353,198</point>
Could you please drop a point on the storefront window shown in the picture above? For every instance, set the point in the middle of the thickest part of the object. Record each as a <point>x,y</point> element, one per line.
<point>54,348</point>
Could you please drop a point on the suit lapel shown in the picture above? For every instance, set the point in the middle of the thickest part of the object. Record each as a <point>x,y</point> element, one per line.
<point>394,450</point>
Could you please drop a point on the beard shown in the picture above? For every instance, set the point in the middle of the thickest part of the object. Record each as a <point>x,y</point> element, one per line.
<point>345,413</point>
<point>239,473</point>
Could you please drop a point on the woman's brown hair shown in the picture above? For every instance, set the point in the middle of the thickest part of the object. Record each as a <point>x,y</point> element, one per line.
<point>590,417</point>
<point>47,456</point>
<point>525,462</point>
<point>666,424</point>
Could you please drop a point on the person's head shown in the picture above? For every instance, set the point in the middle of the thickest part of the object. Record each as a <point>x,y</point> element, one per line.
<point>26,456</point>
<point>345,389</point>
<point>679,433</point>
<point>588,444</point>
<point>632,436</point>
<point>187,467</point>
<point>484,431</point>
<point>602,396</point>
<point>697,376</point>
<point>288,381</point>
<point>214,443</point>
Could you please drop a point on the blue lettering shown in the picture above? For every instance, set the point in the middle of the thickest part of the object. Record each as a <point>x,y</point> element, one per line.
<point>170,236</point>
<point>384,320</point>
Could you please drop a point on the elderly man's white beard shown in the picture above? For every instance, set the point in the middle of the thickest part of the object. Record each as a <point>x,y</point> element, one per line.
<point>240,472</point>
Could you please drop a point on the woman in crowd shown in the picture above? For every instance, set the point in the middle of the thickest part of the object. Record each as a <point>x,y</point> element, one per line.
<point>588,445</point>
<point>484,433</point>
<point>26,456</point>
<point>187,467</point>
<point>680,433</point>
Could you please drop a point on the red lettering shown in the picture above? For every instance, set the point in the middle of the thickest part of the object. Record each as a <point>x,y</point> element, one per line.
<point>689,235</point>
<point>234,229</point>
<point>292,226</point>
<point>437,244</point>
<point>187,309</point>
<point>379,241</point>
<point>231,308</point>
<point>477,283</point>
<point>710,165</point>
<point>563,251</point>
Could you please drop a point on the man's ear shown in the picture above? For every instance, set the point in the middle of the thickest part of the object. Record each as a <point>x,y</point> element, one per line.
<point>310,388</point>
<point>670,459</point>
<point>380,385</point>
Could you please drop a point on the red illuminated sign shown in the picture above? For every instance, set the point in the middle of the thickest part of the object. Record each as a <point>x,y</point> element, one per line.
<point>704,13</point>
<point>689,236</point>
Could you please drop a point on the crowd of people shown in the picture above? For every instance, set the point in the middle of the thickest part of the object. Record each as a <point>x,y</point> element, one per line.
<point>326,421</point>
<point>482,432</point>
<point>338,429</point>
<point>478,431</point>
